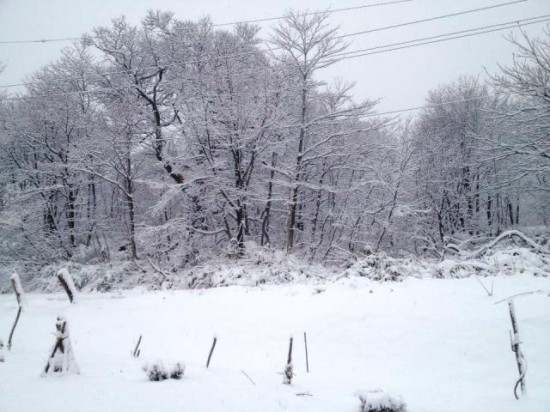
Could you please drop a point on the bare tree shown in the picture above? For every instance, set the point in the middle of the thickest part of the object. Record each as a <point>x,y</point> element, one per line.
<point>525,115</point>
<point>308,44</point>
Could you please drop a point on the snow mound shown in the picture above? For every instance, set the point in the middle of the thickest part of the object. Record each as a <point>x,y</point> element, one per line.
<point>500,262</point>
<point>380,401</point>
<point>381,267</point>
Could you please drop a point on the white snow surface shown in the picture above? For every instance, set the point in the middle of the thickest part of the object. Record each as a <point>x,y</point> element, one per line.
<point>441,344</point>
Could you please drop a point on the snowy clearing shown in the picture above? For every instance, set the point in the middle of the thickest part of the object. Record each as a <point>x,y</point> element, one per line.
<point>442,345</point>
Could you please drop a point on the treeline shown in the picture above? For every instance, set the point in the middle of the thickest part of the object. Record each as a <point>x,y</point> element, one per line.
<point>174,141</point>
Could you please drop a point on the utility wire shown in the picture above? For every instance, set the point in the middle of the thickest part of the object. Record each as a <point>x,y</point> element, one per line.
<point>235,55</point>
<point>475,31</point>
<point>329,11</point>
<point>443,16</point>
<point>405,45</point>
<point>394,26</point>
<point>427,106</point>
<point>343,56</point>
<point>374,51</point>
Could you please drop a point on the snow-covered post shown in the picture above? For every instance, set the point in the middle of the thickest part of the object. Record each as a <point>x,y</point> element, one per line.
<point>1,347</point>
<point>211,351</point>
<point>66,281</point>
<point>514,342</point>
<point>62,357</point>
<point>137,351</point>
<point>307,357</point>
<point>288,373</point>
<point>18,289</point>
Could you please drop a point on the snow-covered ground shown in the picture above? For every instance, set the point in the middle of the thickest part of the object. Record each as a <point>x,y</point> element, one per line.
<point>442,345</point>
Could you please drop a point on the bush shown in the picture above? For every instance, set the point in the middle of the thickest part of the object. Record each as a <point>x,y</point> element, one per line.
<point>177,370</point>
<point>379,401</point>
<point>156,371</point>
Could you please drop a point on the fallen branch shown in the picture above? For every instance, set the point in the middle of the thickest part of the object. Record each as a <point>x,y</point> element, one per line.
<point>489,292</point>
<point>508,234</point>
<point>249,378</point>
<point>157,269</point>
<point>532,292</point>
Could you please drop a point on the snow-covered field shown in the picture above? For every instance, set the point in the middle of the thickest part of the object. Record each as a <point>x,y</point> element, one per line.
<point>442,345</point>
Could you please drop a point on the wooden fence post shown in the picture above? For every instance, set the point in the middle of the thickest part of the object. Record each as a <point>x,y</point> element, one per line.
<point>18,289</point>
<point>514,343</point>
<point>288,372</point>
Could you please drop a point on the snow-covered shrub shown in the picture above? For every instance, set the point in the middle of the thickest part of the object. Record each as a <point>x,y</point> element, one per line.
<point>500,261</point>
<point>1,347</point>
<point>157,372</point>
<point>61,360</point>
<point>381,267</point>
<point>232,249</point>
<point>379,401</point>
<point>176,372</point>
<point>89,255</point>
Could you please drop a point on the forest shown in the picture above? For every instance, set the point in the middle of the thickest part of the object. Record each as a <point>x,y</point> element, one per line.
<point>170,142</point>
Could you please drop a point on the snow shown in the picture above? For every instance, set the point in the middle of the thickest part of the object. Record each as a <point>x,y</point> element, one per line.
<point>379,401</point>
<point>18,289</point>
<point>61,360</point>
<point>66,276</point>
<point>441,344</point>
<point>264,266</point>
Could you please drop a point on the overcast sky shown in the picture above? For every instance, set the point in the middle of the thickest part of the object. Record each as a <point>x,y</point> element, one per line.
<point>401,78</point>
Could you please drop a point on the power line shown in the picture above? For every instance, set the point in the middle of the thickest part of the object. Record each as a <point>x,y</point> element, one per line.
<point>427,106</point>
<point>363,52</point>
<point>329,11</point>
<point>235,55</point>
<point>443,16</point>
<point>405,45</point>
<point>474,31</point>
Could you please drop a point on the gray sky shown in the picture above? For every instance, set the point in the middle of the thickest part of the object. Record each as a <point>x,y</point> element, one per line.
<point>402,78</point>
